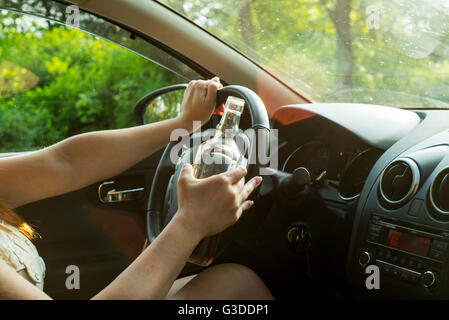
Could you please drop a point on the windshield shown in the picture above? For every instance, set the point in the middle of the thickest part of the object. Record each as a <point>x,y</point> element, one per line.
<point>388,52</point>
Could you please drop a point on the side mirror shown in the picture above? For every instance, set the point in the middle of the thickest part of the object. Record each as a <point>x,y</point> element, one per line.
<point>161,104</point>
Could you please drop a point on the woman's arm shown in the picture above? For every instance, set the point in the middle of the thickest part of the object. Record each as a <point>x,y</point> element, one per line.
<point>15,287</point>
<point>87,158</point>
<point>152,274</point>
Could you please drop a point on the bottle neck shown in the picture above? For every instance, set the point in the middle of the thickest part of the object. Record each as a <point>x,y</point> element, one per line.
<point>229,123</point>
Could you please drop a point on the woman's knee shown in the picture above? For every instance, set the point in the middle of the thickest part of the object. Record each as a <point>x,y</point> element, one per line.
<point>226,281</point>
<point>236,272</point>
<point>249,280</point>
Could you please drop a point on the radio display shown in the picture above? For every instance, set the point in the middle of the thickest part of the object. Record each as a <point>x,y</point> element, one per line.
<point>408,242</point>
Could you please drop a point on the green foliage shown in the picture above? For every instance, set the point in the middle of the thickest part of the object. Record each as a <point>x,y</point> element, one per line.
<point>402,61</point>
<point>84,83</point>
<point>56,82</point>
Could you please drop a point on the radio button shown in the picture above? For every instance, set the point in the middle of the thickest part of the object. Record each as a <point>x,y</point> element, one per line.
<point>373,237</point>
<point>413,277</point>
<point>365,258</point>
<point>375,228</point>
<point>396,272</point>
<point>380,253</point>
<point>419,266</point>
<point>410,276</point>
<point>395,259</point>
<point>403,275</point>
<point>439,245</point>
<point>428,279</point>
<point>374,232</point>
<point>385,267</point>
<point>436,254</point>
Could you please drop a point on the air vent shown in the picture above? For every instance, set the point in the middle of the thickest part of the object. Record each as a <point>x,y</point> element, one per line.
<point>439,193</point>
<point>399,182</point>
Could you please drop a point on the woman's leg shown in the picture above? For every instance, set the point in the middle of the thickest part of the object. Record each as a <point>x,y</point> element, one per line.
<point>178,285</point>
<point>222,282</point>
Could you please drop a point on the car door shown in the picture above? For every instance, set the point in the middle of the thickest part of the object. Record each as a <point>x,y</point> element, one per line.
<point>65,72</point>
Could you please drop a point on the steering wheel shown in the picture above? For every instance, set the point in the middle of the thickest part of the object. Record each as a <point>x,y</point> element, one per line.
<point>162,201</point>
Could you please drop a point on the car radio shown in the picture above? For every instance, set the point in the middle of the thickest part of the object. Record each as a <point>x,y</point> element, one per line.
<point>405,253</point>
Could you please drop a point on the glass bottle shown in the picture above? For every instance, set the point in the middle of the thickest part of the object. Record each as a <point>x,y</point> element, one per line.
<point>217,155</point>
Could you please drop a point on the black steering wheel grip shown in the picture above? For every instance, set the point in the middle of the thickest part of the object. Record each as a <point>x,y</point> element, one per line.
<point>162,196</point>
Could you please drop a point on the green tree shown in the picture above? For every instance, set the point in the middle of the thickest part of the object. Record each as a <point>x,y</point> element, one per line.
<point>327,51</point>
<point>81,83</point>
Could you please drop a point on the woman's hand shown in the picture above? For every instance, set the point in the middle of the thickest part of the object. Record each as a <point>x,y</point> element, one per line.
<point>210,205</point>
<point>199,101</point>
<point>206,207</point>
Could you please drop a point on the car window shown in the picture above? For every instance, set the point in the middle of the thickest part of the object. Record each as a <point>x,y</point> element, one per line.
<point>389,52</point>
<point>57,80</point>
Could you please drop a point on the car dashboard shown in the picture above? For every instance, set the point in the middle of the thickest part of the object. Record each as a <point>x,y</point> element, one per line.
<point>387,199</point>
<point>345,168</point>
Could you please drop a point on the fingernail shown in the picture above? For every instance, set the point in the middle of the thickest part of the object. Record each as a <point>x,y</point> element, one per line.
<point>259,179</point>
<point>251,204</point>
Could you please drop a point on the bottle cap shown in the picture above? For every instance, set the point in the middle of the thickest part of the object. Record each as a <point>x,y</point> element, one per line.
<point>235,104</point>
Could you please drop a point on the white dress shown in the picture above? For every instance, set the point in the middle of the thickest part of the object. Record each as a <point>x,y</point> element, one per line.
<point>21,254</point>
